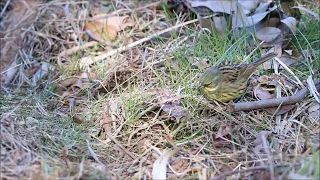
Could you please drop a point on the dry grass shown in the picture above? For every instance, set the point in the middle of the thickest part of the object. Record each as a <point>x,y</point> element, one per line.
<point>117,127</point>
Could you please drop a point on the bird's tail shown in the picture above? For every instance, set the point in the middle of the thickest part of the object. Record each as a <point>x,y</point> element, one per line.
<point>263,59</point>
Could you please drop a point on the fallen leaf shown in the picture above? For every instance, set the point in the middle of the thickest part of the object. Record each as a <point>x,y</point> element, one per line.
<point>238,17</point>
<point>42,72</point>
<point>32,70</point>
<point>159,170</point>
<point>64,94</point>
<point>287,60</point>
<point>30,122</point>
<point>106,122</point>
<point>261,12</point>
<point>226,6</point>
<point>15,25</point>
<point>312,88</point>
<point>204,22</point>
<point>224,142</point>
<point>262,94</point>
<point>64,155</point>
<point>164,94</point>
<point>9,75</point>
<point>306,54</point>
<point>175,110</point>
<point>291,23</point>
<point>220,24</point>
<point>314,111</point>
<point>77,119</point>
<point>223,130</point>
<point>180,165</point>
<point>77,85</point>
<point>68,81</point>
<point>108,27</point>
<point>288,52</point>
<point>282,110</point>
<point>249,5</point>
<point>261,142</point>
<point>316,15</point>
<point>268,34</point>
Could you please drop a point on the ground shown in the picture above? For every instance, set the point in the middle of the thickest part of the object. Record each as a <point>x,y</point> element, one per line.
<point>117,117</point>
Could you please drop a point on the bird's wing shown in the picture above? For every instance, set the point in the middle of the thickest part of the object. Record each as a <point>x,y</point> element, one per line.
<point>230,73</point>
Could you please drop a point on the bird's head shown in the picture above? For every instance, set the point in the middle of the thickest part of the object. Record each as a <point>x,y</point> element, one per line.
<point>210,78</point>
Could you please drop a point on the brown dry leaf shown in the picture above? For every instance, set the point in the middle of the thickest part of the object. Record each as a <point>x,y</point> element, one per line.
<point>268,34</point>
<point>73,83</point>
<point>204,22</point>
<point>64,94</point>
<point>32,70</point>
<point>163,94</point>
<point>68,81</point>
<point>21,17</point>
<point>170,103</point>
<point>263,94</point>
<point>223,130</point>
<point>180,165</point>
<point>281,110</point>
<point>106,122</point>
<point>175,110</point>
<point>107,28</point>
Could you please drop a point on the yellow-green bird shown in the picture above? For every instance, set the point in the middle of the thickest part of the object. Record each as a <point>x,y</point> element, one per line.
<point>225,83</point>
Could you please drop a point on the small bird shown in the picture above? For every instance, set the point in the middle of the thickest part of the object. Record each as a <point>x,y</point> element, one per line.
<point>225,83</point>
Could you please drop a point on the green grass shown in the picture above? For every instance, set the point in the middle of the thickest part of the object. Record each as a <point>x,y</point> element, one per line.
<point>138,110</point>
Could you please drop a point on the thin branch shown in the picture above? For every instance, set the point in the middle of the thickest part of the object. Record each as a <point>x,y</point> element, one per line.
<point>88,60</point>
<point>268,103</point>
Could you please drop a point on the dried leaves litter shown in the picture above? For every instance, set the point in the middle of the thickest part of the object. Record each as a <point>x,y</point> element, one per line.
<point>99,89</point>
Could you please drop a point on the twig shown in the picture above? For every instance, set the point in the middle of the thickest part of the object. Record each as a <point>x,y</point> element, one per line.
<point>77,48</point>
<point>121,147</point>
<point>268,103</point>
<point>289,70</point>
<point>88,60</point>
<point>4,8</point>
<point>250,54</point>
<point>92,153</point>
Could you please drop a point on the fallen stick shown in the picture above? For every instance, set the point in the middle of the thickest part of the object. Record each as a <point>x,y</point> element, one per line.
<point>89,60</point>
<point>268,103</point>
